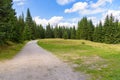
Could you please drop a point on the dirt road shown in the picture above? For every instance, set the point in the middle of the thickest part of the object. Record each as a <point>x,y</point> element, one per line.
<point>35,63</point>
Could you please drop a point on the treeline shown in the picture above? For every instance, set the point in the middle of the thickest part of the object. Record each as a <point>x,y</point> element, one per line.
<point>24,28</point>
<point>60,32</point>
<point>109,32</point>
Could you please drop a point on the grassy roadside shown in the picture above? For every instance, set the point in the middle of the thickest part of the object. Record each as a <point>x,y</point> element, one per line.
<point>10,50</point>
<point>101,61</point>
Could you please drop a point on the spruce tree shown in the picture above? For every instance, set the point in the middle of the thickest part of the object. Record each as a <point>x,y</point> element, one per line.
<point>82,31</point>
<point>111,30</point>
<point>69,32</point>
<point>106,29</point>
<point>27,33</point>
<point>49,32</point>
<point>98,33</point>
<point>90,30</point>
<point>41,32</point>
<point>65,35</point>
<point>60,32</point>
<point>19,30</point>
<point>7,20</point>
<point>29,26</point>
<point>56,32</point>
<point>73,33</point>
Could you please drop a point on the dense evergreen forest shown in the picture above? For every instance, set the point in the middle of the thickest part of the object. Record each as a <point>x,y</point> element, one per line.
<point>19,29</point>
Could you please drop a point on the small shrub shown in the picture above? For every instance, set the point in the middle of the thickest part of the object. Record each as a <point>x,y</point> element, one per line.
<point>82,42</point>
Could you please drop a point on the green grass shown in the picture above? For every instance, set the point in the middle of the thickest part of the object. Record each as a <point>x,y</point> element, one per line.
<point>100,61</point>
<point>10,50</point>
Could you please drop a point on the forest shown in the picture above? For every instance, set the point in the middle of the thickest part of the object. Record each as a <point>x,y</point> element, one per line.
<point>19,29</point>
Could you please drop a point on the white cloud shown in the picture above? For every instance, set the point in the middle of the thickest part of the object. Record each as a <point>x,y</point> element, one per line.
<point>56,20</point>
<point>19,2</point>
<point>74,20</point>
<point>53,21</point>
<point>91,11</point>
<point>63,2</point>
<point>94,20</point>
<point>100,3</point>
<point>115,13</point>
<point>67,24</point>
<point>16,0</point>
<point>82,8</point>
<point>39,21</point>
<point>77,7</point>
<point>89,8</point>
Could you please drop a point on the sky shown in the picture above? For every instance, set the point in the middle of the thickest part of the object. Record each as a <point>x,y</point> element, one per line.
<point>67,12</point>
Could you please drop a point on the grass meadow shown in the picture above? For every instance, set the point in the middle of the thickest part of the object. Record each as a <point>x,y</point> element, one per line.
<point>100,61</point>
<point>9,50</point>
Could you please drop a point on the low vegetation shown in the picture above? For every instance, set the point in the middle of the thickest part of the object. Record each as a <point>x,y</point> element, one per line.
<point>9,50</point>
<point>100,61</point>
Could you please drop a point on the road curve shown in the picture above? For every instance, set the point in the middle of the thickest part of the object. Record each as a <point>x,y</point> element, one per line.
<point>35,63</point>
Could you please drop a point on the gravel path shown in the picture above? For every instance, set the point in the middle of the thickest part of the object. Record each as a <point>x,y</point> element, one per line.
<point>34,63</point>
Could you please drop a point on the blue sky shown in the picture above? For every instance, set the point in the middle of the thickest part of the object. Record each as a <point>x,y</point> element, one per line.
<point>67,12</point>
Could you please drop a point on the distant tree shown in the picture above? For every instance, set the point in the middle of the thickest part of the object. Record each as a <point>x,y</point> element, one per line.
<point>73,33</point>
<point>111,30</point>
<point>116,31</point>
<point>29,26</point>
<point>90,30</point>
<point>49,32</point>
<point>56,32</point>
<point>60,32</point>
<point>106,30</point>
<point>65,35</point>
<point>27,33</point>
<point>69,32</point>
<point>84,29</point>
<point>98,33</point>
<point>35,30</point>
<point>41,31</point>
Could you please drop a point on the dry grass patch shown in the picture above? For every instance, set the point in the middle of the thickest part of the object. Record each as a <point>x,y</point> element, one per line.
<point>91,60</point>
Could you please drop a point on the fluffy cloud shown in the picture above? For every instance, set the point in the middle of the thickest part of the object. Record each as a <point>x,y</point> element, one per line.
<point>16,0</point>
<point>94,20</point>
<point>88,8</point>
<point>39,21</point>
<point>77,7</point>
<point>100,3</point>
<point>91,11</point>
<point>55,20</point>
<point>115,13</point>
<point>67,24</point>
<point>19,2</point>
<point>63,2</point>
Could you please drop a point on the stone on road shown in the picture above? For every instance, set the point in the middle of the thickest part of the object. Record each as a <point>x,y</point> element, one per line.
<point>35,63</point>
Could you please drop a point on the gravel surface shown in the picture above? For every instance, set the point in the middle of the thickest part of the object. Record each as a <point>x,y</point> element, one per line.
<point>35,63</point>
